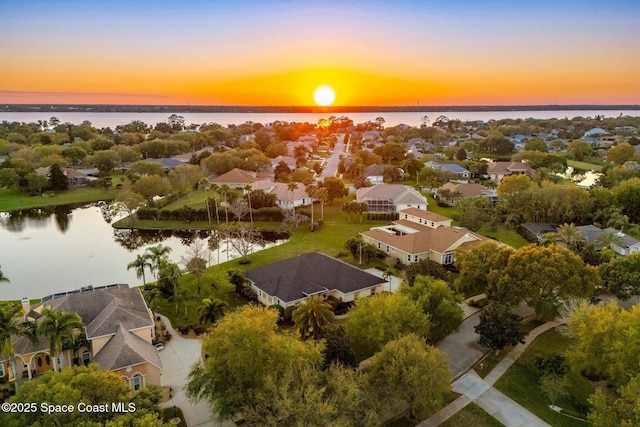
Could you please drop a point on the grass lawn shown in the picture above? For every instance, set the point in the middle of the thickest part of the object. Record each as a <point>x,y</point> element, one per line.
<point>472,416</point>
<point>584,165</point>
<point>19,201</point>
<point>521,383</point>
<point>441,210</point>
<point>505,235</point>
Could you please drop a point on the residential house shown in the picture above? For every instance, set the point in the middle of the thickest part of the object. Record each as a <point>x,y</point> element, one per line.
<point>74,177</point>
<point>167,163</point>
<point>390,198</point>
<point>288,160</point>
<point>537,231</point>
<point>419,235</point>
<point>498,170</point>
<point>451,193</point>
<point>119,328</point>
<point>239,178</point>
<point>285,198</point>
<point>291,281</point>
<point>375,173</point>
<point>454,168</point>
<point>625,245</point>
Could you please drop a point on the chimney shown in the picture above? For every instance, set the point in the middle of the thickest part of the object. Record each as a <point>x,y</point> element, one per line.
<point>26,307</point>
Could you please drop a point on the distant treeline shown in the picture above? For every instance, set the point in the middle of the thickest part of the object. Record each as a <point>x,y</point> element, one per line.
<point>81,108</point>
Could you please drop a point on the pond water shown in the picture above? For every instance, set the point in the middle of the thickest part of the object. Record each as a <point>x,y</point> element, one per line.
<point>46,251</point>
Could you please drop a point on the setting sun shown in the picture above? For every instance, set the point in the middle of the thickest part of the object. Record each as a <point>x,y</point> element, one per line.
<point>324,96</point>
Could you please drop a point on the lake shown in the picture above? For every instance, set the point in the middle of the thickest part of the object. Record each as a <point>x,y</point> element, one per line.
<point>48,251</point>
<point>113,119</point>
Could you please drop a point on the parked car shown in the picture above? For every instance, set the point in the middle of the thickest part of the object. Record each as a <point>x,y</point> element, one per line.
<point>159,346</point>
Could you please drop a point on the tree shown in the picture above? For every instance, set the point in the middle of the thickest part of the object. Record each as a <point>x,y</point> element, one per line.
<point>57,326</point>
<point>36,182</point>
<point>57,179</point>
<point>9,178</point>
<point>9,327</point>
<point>603,341</point>
<point>628,196</point>
<point>211,311</point>
<point>621,153</point>
<point>240,353</point>
<point>168,274</point>
<point>608,238</point>
<point>424,267</point>
<point>438,302</point>
<point>545,276</point>
<point>312,317</point>
<point>621,276</point>
<point>241,237</point>
<point>408,370</point>
<point>195,261</point>
<point>481,267</point>
<point>337,348</point>
<point>3,278</point>
<point>475,212</point>
<point>624,410</point>
<point>128,202</point>
<point>141,262</point>
<point>157,254</point>
<point>578,150</point>
<point>150,186</point>
<point>499,327</point>
<point>184,178</point>
<point>335,188</point>
<point>378,319</point>
<point>536,144</point>
<point>567,234</point>
<point>91,386</point>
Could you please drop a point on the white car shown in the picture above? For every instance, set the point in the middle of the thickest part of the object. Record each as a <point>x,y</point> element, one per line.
<point>159,346</point>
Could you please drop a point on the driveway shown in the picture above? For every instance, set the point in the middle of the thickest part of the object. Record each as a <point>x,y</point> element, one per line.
<point>331,167</point>
<point>177,357</point>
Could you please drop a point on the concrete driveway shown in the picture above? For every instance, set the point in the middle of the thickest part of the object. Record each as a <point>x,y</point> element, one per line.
<point>177,357</point>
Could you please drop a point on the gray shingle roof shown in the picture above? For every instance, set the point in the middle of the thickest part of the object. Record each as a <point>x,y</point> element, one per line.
<point>306,274</point>
<point>126,349</point>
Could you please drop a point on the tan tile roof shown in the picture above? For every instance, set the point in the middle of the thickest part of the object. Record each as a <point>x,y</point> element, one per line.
<point>424,240</point>
<point>239,176</point>
<point>507,167</point>
<point>429,216</point>
<point>466,190</point>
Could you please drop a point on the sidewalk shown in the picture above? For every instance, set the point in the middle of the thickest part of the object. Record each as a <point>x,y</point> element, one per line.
<point>481,391</point>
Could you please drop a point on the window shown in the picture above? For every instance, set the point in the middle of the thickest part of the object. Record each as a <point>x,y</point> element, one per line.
<point>388,248</point>
<point>420,220</point>
<point>409,257</point>
<point>406,216</point>
<point>378,245</point>
<point>86,357</point>
<point>415,258</point>
<point>448,258</point>
<point>1,370</point>
<point>137,382</point>
<point>433,224</point>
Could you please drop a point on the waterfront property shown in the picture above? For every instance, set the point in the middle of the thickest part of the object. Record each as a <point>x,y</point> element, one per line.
<point>239,178</point>
<point>119,329</point>
<point>419,235</point>
<point>291,281</point>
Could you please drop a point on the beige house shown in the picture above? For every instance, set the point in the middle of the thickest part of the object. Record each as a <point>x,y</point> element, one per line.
<point>390,198</point>
<point>239,178</point>
<point>285,198</point>
<point>419,235</point>
<point>498,170</point>
<point>119,328</point>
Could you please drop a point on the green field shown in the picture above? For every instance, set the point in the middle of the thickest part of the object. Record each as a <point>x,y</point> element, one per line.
<point>584,165</point>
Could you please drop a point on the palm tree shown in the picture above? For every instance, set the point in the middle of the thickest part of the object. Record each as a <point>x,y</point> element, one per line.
<point>311,192</point>
<point>312,317</point>
<point>215,189</point>
<point>293,186</point>
<point>75,342</point>
<point>322,194</point>
<point>211,311</point>
<point>9,327</point>
<point>141,262</point>
<point>157,254</point>
<point>610,237</point>
<point>58,326</point>
<point>568,233</point>
<point>225,189</point>
<point>204,184</point>
<point>386,276</point>
<point>247,188</point>
<point>3,278</point>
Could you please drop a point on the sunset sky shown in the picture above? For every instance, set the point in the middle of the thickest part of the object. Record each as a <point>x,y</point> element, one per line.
<point>386,53</point>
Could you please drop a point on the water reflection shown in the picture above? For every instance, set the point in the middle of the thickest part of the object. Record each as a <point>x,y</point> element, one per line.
<point>45,251</point>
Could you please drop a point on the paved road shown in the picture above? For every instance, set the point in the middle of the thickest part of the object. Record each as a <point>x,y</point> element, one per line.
<point>331,166</point>
<point>462,347</point>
